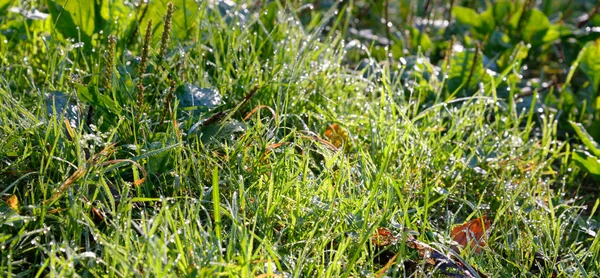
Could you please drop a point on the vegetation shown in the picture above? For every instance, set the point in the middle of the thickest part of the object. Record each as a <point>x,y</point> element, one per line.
<point>299,138</point>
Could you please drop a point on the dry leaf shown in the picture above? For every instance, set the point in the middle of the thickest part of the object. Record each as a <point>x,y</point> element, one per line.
<point>472,233</point>
<point>383,237</point>
<point>13,202</point>
<point>335,135</point>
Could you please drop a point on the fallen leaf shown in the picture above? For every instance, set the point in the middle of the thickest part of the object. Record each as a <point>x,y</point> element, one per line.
<point>335,135</point>
<point>472,233</point>
<point>13,202</point>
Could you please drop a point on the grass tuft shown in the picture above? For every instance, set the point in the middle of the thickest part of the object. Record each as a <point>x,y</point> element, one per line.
<point>281,139</point>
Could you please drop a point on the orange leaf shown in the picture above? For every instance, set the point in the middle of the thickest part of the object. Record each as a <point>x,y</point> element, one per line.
<point>138,182</point>
<point>472,233</point>
<point>13,202</point>
<point>335,135</point>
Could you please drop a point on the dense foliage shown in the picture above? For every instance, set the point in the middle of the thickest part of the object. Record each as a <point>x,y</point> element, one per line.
<point>299,138</point>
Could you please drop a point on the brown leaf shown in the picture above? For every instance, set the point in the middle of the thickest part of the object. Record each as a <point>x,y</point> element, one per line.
<point>472,233</point>
<point>383,237</point>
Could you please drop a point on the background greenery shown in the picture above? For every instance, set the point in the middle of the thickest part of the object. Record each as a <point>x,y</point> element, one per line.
<point>282,138</point>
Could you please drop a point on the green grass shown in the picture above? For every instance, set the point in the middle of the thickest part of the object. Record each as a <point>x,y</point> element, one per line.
<point>262,191</point>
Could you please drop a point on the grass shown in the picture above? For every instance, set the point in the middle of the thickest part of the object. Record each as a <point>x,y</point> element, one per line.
<point>267,189</point>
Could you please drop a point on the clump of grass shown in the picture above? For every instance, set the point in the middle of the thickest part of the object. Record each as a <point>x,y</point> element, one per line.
<point>261,188</point>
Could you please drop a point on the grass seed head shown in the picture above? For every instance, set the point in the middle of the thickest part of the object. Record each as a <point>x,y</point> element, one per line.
<point>144,63</point>
<point>166,35</point>
<point>110,61</point>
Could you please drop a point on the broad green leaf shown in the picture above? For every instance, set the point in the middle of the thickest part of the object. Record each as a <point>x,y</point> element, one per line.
<point>100,14</point>
<point>556,31</point>
<point>4,5</point>
<point>465,71</point>
<point>192,97</point>
<point>467,16</point>
<point>74,19</point>
<point>588,162</point>
<point>535,28</point>
<point>221,131</point>
<point>502,11</point>
<point>161,162</point>
<point>184,19</point>
<point>160,157</point>
<point>81,19</point>
<point>488,22</point>
<point>585,138</point>
<point>590,63</point>
<point>119,17</point>
<point>421,39</point>
<point>93,97</point>
<point>513,22</point>
<point>481,24</point>
<point>57,103</point>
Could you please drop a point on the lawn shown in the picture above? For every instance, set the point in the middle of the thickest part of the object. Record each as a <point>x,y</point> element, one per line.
<point>273,138</point>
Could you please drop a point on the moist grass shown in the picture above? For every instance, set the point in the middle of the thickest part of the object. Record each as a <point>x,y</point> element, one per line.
<point>291,175</point>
